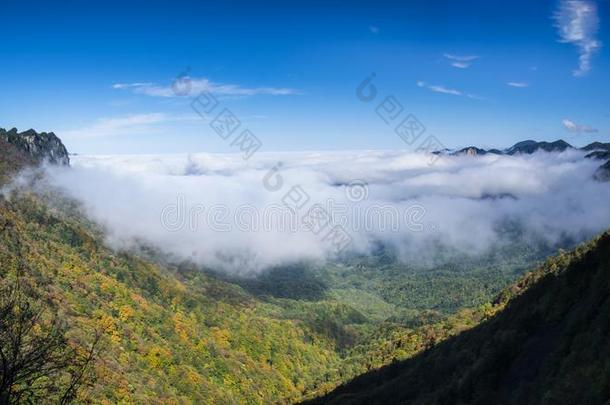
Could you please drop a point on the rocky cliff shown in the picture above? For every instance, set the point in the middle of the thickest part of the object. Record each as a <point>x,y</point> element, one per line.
<point>40,147</point>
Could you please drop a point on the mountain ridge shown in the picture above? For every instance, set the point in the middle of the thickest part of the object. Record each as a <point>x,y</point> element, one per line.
<point>528,147</point>
<point>597,150</point>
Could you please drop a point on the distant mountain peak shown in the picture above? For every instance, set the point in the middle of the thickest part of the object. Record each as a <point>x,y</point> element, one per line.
<point>529,146</point>
<point>598,150</point>
<point>524,147</point>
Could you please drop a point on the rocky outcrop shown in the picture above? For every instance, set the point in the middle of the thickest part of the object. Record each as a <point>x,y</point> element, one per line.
<point>474,151</point>
<point>471,151</point>
<point>41,147</point>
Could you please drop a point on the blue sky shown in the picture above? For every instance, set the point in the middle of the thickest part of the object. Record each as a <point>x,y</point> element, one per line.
<point>488,73</point>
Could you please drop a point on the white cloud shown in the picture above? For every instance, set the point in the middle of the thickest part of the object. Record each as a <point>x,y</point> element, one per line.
<point>444,90</point>
<point>520,85</point>
<point>130,85</point>
<point>571,126</point>
<point>186,85</point>
<point>460,65</point>
<point>461,58</point>
<point>124,125</point>
<point>460,62</point>
<point>475,97</point>
<point>447,90</point>
<point>467,199</point>
<point>577,22</point>
<point>439,89</point>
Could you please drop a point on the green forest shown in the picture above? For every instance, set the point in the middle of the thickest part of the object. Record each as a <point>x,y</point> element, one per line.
<point>546,342</point>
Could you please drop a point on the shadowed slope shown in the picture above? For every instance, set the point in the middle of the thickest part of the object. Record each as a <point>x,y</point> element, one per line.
<point>550,344</point>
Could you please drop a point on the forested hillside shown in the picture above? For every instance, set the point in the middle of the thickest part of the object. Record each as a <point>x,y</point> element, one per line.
<point>169,335</point>
<point>174,332</point>
<point>549,344</point>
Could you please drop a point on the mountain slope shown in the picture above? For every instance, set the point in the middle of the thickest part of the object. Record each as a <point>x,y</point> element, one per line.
<point>550,345</point>
<point>171,333</point>
<point>175,333</point>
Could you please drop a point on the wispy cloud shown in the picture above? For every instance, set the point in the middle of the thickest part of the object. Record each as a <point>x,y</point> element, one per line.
<point>374,29</point>
<point>573,127</point>
<point>577,22</point>
<point>130,85</point>
<point>446,90</point>
<point>475,97</point>
<point>439,89</point>
<point>191,86</point>
<point>520,85</point>
<point>460,62</point>
<point>124,125</point>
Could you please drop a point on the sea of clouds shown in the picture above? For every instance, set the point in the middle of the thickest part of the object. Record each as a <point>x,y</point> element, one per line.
<point>242,216</point>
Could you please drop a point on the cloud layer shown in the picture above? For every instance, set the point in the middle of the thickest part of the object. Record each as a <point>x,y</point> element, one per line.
<point>187,205</point>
